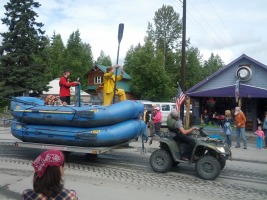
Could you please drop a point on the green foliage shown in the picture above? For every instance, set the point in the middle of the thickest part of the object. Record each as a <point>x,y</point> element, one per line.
<point>149,79</point>
<point>165,33</point>
<point>20,46</point>
<point>55,53</point>
<point>78,58</point>
<point>212,64</point>
<point>193,67</point>
<point>167,29</point>
<point>103,59</point>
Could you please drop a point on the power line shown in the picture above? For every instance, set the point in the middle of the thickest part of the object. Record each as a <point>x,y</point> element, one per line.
<point>222,41</point>
<point>227,30</point>
<point>205,33</point>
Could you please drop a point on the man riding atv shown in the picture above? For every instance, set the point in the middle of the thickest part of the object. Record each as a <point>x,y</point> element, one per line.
<point>180,135</point>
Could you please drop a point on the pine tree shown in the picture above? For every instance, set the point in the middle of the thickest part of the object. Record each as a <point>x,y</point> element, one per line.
<point>22,44</point>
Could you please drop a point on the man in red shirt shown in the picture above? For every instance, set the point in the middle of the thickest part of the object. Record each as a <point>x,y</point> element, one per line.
<point>65,85</point>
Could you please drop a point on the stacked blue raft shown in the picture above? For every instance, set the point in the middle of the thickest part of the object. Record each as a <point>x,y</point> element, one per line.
<point>91,126</point>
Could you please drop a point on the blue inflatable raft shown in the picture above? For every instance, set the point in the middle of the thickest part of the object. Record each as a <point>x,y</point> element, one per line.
<point>74,136</point>
<point>32,110</point>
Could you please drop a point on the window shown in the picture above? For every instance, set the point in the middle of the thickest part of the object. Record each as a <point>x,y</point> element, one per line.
<point>165,107</point>
<point>98,79</point>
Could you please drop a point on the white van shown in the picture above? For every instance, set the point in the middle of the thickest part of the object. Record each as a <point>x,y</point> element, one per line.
<point>165,108</point>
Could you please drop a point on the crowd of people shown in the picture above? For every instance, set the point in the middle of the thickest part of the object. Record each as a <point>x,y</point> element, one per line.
<point>235,118</point>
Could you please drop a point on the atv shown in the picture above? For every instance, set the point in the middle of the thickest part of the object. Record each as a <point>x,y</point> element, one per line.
<point>209,154</point>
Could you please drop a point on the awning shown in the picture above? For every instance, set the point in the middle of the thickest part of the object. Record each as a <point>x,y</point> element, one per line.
<point>245,91</point>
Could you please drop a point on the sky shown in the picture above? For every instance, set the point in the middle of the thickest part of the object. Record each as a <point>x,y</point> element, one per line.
<point>228,28</point>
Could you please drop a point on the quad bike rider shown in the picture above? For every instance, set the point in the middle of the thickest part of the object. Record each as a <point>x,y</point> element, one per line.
<point>208,154</point>
<point>186,143</point>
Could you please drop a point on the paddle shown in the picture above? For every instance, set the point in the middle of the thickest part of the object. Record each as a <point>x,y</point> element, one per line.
<point>120,34</point>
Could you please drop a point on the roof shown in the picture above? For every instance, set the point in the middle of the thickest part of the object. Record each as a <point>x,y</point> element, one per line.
<point>222,83</point>
<point>229,91</point>
<point>54,88</point>
<point>104,69</point>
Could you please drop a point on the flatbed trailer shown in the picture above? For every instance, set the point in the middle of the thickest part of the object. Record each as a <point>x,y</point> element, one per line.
<point>90,150</point>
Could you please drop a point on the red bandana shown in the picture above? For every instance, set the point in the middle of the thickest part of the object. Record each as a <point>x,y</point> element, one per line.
<point>47,158</point>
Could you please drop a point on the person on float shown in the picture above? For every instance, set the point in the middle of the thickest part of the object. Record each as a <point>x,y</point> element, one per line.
<point>109,84</point>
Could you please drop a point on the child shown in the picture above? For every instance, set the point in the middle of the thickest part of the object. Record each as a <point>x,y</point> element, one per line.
<point>260,137</point>
<point>227,129</point>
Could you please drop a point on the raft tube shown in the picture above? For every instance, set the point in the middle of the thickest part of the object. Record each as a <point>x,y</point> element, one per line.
<point>33,111</point>
<point>84,137</point>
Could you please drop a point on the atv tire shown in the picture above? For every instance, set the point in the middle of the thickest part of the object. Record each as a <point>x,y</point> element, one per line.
<point>208,168</point>
<point>161,161</point>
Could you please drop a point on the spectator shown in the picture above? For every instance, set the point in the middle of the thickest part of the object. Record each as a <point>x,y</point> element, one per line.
<point>240,123</point>
<point>151,122</point>
<point>260,137</point>
<point>227,122</point>
<point>157,119</point>
<point>109,84</point>
<point>146,119</point>
<point>65,84</point>
<point>47,179</point>
<point>206,117</point>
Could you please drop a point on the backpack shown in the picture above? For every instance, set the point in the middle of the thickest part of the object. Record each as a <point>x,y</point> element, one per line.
<point>50,100</point>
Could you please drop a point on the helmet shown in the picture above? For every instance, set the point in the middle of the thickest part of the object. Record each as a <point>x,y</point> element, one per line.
<point>175,114</point>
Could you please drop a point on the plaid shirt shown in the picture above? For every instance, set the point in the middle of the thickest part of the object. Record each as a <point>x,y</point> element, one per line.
<point>63,195</point>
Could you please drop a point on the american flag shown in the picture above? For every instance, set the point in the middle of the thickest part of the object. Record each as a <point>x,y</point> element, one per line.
<point>180,98</point>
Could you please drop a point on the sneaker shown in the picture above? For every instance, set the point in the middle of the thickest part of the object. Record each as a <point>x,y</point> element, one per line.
<point>245,147</point>
<point>237,146</point>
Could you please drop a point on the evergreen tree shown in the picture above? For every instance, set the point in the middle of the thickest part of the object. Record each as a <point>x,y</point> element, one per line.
<point>212,64</point>
<point>55,61</point>
<point>78,58</point>
<point>165,32</point>
<point>103,59</point>
<point>194,69</point>
<point>20,47</point>
<point>149,79</point>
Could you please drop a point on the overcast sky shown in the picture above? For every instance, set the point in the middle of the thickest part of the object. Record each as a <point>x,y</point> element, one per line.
<point>228,28</point>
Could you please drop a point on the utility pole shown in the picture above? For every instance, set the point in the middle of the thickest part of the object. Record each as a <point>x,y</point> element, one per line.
<point>183,61</point>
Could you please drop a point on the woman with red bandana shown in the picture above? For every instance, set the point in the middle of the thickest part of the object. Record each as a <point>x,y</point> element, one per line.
<point>47,179</point>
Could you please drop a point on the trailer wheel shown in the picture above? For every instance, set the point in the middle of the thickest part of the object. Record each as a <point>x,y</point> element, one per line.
<point>161,161</point>
<point>208,167</point>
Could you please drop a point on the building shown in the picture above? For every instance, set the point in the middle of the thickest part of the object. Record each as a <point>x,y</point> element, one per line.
<point>95,81</point>
<point>242,82</point>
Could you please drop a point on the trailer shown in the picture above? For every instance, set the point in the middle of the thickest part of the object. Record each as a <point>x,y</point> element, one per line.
<point>64,148</point>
